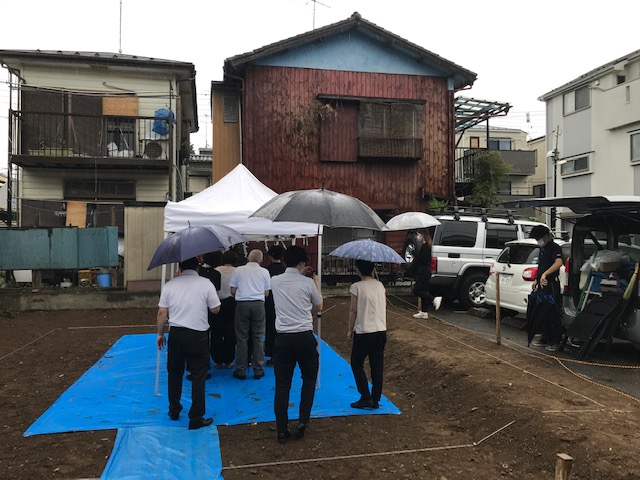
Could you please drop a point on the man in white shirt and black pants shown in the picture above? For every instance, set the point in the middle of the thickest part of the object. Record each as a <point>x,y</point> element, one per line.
<point>184,302</point>
<point>296,298</point>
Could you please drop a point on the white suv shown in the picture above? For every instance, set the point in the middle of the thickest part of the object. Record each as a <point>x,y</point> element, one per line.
<point>464,247</point>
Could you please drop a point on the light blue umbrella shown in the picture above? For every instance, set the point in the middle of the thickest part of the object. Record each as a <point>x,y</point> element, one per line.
<point>193,241</point>
<point>368,250</point>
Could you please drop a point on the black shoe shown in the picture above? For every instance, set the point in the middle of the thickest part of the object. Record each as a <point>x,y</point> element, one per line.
<point>240,376</point>
<point>298,432</point>
<point>201,422</point>
<point>366,404</point>
<point>258,376</point>
<point>284,437</point>
<point>269,363</point>
<point>174,415</point>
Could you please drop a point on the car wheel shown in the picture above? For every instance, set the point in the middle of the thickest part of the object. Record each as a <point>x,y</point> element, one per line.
<point>472,290</point>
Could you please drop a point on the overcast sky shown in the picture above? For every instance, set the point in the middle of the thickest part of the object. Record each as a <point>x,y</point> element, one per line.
<point>519,50</point>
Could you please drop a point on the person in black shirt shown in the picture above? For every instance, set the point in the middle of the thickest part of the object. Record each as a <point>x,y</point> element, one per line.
<point>420,270</point>
<point>276,267</point>
<point>549,263</point>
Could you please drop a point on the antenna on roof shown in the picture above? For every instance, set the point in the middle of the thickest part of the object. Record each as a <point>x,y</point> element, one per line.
<point>314,10</point>
<point>120,33</point>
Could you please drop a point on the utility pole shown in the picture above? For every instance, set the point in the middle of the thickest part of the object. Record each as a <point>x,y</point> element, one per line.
<point>554,159</point>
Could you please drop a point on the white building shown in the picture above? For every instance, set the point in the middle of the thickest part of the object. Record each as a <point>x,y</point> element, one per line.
<point>593,133</point>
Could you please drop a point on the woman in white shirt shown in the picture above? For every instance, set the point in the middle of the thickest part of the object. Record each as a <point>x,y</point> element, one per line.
<point>368,330</point>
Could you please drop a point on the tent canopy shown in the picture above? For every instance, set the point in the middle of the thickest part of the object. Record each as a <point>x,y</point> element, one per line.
<point>229,202</point>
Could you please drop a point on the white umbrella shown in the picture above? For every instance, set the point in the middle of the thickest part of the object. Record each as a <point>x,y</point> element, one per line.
<point>412,220</point>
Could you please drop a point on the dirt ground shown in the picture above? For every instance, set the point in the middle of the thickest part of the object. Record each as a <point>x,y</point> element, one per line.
<point>470,409</point>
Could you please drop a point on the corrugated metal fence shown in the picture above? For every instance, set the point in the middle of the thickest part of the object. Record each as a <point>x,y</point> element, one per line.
<point>58,248</point>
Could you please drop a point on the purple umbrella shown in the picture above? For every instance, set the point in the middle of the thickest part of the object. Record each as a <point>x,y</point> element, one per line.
<point>193,241</point>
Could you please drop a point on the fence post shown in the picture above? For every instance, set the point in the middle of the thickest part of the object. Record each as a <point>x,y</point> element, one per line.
<point>564,463</point>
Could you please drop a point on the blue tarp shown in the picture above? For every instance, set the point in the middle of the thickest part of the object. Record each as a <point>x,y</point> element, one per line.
<point>118,392</point>
<point>161,127</point>
<point>166,453</point>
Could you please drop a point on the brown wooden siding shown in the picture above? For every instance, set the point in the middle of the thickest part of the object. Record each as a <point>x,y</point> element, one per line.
<point>275,97</point>
<point>225,145</point>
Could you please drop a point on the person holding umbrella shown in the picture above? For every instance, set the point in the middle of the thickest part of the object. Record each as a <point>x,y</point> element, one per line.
<point>296,297</point>
<point>184,302</point>
<point>368,330</point>
<point>420,269</point>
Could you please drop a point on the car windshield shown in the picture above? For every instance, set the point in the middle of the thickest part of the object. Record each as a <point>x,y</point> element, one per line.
<point>520,255</point>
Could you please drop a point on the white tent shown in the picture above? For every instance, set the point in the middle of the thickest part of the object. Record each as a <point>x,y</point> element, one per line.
<point>229,202</point>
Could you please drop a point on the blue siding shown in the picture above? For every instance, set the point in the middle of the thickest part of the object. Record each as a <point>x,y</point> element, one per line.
<point>352,52</point>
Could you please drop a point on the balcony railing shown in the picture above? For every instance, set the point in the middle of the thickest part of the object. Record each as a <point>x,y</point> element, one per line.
<point>41,138</point>
<point>522,162</point>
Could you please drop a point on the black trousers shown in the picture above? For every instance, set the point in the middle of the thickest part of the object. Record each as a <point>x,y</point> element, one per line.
<point>270,326</point>
<point>223,332</point>
<point>289,349</point>
<point>192,347</point>
<point>552,326</point>
<point>368,345</point>
<point>421,290</point>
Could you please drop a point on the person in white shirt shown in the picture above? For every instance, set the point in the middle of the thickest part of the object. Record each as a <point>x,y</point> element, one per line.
<point>296,297</point>
<point>250,284</point>
<point>368,330</point>
<point>184,302</point>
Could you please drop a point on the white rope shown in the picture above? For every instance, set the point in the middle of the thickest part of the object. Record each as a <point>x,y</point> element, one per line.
<point>24,346</point>
<point>366,455</point>
<point>502,360</point>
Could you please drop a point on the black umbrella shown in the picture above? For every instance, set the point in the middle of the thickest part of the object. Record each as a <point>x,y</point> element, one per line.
<point>321,206</point>
<point>540,305</point>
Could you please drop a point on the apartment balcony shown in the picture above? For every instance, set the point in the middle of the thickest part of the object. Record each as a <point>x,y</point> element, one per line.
<point>522,162</point>
<point>82,141</point>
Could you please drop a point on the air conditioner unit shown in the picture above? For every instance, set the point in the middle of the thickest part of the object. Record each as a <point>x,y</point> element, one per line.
<point>154,149</point>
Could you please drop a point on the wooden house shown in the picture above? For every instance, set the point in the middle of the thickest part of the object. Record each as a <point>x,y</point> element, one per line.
<point>350,106</point>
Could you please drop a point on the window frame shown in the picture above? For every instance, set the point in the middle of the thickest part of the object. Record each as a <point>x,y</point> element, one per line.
<point>569,103</point>
<point>634,147</point>
<point>564,168</point>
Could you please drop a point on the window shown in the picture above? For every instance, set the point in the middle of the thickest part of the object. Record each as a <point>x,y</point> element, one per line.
<point>456,233</point>
<point>120,132</point>
<point>635,147</point>
<point>99,190</point>
<point>499,144</point>
<point>575,165</point>
<point>390,130</point>
<point>539,190</point>
<point>577,100</point>
<point>620,79</point>
<point>505,188</point>
<point>231,108</point>
<point>474,142</point>
<point>500,233</point>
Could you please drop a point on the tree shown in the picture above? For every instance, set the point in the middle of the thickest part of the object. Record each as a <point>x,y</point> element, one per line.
<point>489,171</point>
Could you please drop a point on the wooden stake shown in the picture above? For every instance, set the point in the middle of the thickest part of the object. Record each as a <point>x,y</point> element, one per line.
<point>564,463</point>
<point>498,321</point>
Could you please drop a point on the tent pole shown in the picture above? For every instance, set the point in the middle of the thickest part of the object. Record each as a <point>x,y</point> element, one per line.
<point>319,314</point>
